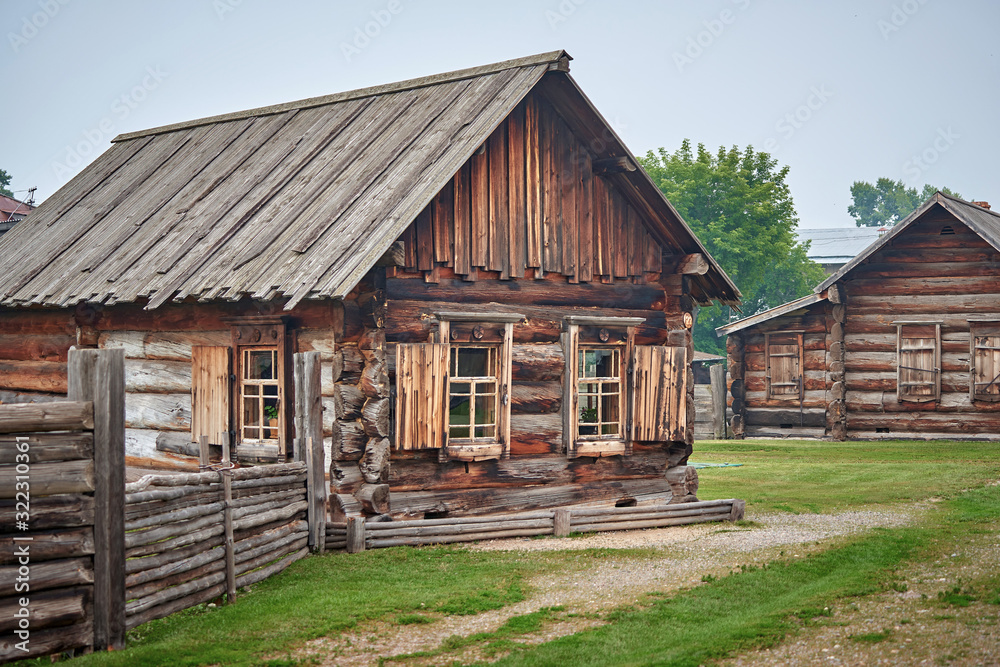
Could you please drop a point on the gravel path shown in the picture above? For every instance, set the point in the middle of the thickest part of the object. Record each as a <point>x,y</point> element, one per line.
<point>684,555</point>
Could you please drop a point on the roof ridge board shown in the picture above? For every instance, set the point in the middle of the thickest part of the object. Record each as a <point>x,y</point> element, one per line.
<point>777,311</point>
<point>965,202</point>
<point>370,91</point>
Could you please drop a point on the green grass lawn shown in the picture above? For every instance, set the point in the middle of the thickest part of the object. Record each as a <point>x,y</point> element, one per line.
<point>323,595</point>
<point>811,476</point>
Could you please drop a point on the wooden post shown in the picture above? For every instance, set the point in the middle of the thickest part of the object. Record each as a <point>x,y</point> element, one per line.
<point>718,378</point>
<point>309,435</point>
<point>560,522</point>
<point>99,376</point>
<point>203,461</point>
<point>227,517</point>
<point>355,534</point>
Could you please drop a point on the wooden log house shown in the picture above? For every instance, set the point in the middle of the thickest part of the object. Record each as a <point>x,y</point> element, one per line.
<point>502,299</point>
<point>902,342</point>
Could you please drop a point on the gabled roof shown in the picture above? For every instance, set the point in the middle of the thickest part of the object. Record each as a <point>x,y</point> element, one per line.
<point>983,221</point>
<point>292,201</point>
<point>760,318</point>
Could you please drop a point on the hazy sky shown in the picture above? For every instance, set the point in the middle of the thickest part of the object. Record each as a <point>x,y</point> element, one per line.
<point>839,91</point>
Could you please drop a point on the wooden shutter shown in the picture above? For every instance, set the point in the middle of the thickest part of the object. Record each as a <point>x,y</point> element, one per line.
<point>918,373</point>
<point>659,393</point>
<point>210,392</point>
<point>985,371</point>
<point>784,365</point>
<point>421,391</point>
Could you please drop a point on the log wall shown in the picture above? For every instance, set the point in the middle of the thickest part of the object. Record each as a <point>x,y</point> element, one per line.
<point>783,417</point>
<point>51,563</point>
<point>921,275</point>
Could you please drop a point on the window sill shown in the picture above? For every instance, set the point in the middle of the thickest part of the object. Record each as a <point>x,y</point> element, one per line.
<point>596,448</point>
<point>474,452</point>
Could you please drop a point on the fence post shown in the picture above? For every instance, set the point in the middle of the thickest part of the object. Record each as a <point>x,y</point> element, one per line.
<point>355,534</point>
<point>717,374</point>
<point>227,519</point>
<point>560,522</point>
<point>99,376</point>
<point>309,433</point>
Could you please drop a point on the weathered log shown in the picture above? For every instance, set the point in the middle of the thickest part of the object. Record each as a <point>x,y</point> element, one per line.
<point>161,412</point>
<point>715,515</point>
<point>183,540</point>
<point>48,608</point>
<point>161,533</point>
<point>157,377</point>
<point>152,561</point>
<point>536,363</point>
<point>349,443</point>
<point>389,531</point>
<point>683,480</point>
<point>43,447</point>
<point>35,347</point>
<point>354,363</point>
<point>336,366</point>
<point>254,575</point>
<point>837,391</point>
<point>271,535</point>
<point>374,380</point>
<point>174,515</point>
<point>61,511</point>
<point>344,506</point>
<point>144,590</point>
<point>736,425</point>
<point>61,573</point>
<point>166,609</point>
<point>778,417</point>
<point>40,376</point>
<point>50,478</point>
<point>286,512</point>
<point>535,434</point>
<point>535,397</point>
<point>374,498</point>
<point>375,417</point>
<point>374,463</point>
<point>372,345</point>
<point>695,264</point>
<point>348,400</point>
<point>48,642</point>
<point>561,522</point>
<point>56,416</point>
<point>451,539</point>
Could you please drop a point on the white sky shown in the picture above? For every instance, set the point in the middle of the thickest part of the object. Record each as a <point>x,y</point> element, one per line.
<point>888,80</point>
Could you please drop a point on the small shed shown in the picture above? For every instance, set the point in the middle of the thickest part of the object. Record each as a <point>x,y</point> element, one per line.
<point>902,342</point>
<point>502,300</point>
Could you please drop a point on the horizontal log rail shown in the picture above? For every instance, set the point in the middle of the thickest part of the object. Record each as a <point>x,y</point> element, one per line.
<point>358,535</point>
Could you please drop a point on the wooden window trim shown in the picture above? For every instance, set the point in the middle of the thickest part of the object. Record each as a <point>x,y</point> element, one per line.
<point>261,332</point>
<point>935,369</point>
<point>982,329</point>
<point>574,444</point>
<point>799,342</point>
<point>464,450</point>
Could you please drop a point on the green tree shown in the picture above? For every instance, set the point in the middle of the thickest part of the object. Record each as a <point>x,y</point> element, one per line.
<point>738,204</point>
<point>887,201</point>
<point>4,182</point>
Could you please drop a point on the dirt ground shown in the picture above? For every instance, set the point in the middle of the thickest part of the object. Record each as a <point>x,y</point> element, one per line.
<point>909,627</point>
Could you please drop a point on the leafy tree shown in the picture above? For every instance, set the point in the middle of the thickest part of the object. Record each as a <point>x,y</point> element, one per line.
<point>738,204</point>
<point>887,201</point>
<point>4,182</point>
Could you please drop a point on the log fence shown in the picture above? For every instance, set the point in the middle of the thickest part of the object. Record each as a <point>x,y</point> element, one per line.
<point>357,535</point>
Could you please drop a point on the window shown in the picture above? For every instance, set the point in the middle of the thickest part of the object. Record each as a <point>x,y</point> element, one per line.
<point>784,365</point>
<point>617,393</point>
<point>599,375</point>
<point>453,395</point>
<point>238,392</point>
<point>918,355</point>
<point>259,394</point>
<point>985,361</point>
<point>472,394</point>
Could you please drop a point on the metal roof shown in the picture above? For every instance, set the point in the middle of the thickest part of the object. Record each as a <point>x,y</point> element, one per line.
<point>838,244</point>
<point>983,221</point>
<point>292,201</point>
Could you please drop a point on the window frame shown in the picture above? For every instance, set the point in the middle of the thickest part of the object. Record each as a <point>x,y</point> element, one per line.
<point>798,336</point>
<point>243,382</point>
<point>574,444</point>
<point>985,328</point>
<point>250,333</point>
<point>619,379</point>
<point>462,449</point>
<point>902,352</point>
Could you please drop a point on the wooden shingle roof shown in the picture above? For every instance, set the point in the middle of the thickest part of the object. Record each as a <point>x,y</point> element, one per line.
<point>292,201</point>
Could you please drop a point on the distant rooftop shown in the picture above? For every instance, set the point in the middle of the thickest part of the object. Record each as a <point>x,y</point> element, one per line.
<point>838,245</point>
